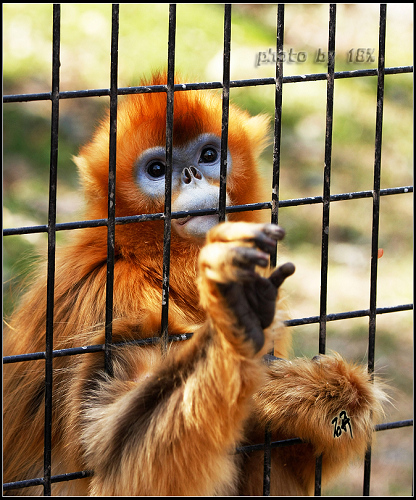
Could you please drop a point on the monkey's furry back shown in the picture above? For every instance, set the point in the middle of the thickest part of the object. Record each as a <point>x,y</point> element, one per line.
<point>169,426</point>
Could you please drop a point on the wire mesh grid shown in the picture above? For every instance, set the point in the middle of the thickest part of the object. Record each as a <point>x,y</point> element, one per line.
<point>55,96</point>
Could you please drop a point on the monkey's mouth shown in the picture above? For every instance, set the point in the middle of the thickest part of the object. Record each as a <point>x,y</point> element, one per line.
<point>184,220</point>
<point>194,226</point>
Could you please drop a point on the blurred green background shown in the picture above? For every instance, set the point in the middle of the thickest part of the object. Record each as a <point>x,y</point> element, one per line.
<point>85,62</point>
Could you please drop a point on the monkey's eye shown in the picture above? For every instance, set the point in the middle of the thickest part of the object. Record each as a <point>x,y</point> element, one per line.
<point>156,169</point>
<point>208,155</point>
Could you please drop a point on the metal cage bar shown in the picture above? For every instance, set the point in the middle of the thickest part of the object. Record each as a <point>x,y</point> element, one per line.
<point>375,222</point>
<point>326,200</point>
<point>65,226</point>
<point>267,458</point>
<point>225,113</point>
<point>113,92</point>
<point>111,225</point>
<point>53,175</point>
<point>74,94</point>
<point>277,121</point>
<point>326,197</point>
<point>168,177</point>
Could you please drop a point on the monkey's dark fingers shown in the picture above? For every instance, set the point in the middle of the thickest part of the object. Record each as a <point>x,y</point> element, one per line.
<point>247,257</point>
<point>281,273</point>
<point>274,231</point>
<point>266,238</point>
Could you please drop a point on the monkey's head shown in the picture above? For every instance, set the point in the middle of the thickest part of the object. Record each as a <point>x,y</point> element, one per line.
<point>141,163</point>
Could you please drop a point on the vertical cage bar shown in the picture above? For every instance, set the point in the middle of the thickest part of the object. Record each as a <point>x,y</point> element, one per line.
<point>168,176</point>
<point>277,120</point>
<point>376,190</point>
<point>375,222</point>
<point>326,204</point>
<point>267,460</point>
<point>111,226</point>
<point>327,178</point>
<point>225,112</point>
<point>47,457</point>
<point>267,465</point>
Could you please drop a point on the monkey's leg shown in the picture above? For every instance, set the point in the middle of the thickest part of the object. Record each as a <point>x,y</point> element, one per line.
<point>172,431</point>
<point>328,403</point>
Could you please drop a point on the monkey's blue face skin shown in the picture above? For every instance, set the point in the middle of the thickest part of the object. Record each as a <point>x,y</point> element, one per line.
<point>195,180</point>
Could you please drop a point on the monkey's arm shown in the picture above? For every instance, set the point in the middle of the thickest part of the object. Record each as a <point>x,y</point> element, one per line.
<point>327,402</point>
<point>172,429</point>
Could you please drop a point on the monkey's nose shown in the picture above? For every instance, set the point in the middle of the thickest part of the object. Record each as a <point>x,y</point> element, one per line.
<point>190,173</point>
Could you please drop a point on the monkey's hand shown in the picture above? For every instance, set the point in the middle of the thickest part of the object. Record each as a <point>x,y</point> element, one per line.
<point>237,298</point>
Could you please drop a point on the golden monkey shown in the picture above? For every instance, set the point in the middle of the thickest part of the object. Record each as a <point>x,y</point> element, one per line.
<point>170,425</point>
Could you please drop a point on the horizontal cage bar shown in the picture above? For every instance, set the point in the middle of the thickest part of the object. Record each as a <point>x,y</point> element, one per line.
<point>72,94</point>
<point>65,226</point>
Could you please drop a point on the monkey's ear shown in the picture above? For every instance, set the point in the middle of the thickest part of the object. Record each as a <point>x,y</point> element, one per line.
<point>83,169</point>
<point>93,180</point>
<point>81,163</point>
<point>257,128</point>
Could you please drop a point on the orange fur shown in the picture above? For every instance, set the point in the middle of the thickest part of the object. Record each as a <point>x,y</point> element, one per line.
<point>168,426</point>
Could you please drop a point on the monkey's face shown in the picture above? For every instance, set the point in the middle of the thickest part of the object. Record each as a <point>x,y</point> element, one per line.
<point>141,165</point>
<point>195,181</point>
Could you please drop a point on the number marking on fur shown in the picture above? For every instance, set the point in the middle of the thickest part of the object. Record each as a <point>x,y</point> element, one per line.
<point>344,421</point>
